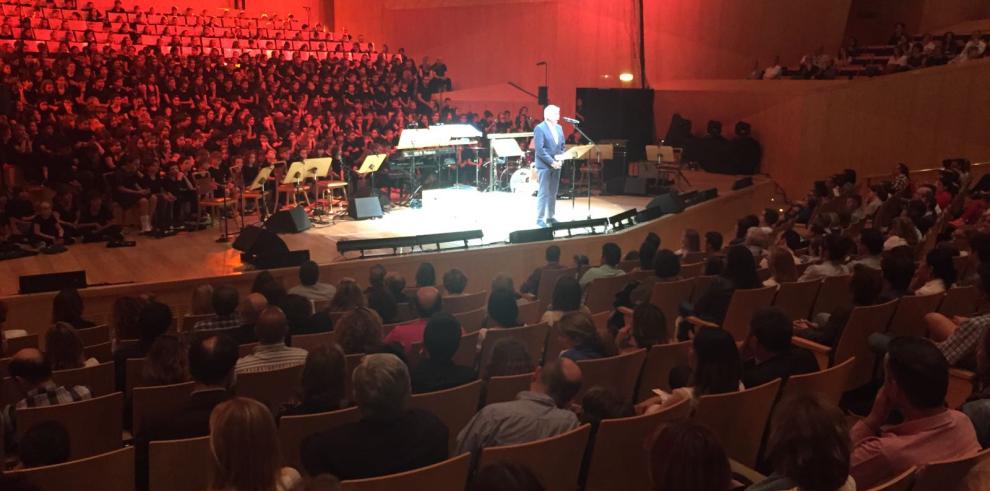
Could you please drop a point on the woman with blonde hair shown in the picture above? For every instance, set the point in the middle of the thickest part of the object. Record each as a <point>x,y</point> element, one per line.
<point>782,267</point>
<point>244,449</point>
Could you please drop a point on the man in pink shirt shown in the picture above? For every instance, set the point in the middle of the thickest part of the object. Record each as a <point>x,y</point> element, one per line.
<point>428,302</point>
<point>917,377</point>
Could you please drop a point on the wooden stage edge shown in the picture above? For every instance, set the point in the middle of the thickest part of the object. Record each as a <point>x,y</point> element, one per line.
<point>169,272</point>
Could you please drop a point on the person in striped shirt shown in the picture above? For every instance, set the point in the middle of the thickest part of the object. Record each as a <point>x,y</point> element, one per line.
<point>271,352</point>
<point>33,377</point>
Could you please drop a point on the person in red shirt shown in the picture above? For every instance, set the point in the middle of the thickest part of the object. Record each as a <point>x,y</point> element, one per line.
<point>428,302</point>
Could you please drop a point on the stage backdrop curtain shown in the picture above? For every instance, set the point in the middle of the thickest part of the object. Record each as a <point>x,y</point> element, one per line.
<point>486,43</point>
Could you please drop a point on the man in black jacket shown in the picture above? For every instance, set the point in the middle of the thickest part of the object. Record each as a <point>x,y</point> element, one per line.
<point>770,353</point>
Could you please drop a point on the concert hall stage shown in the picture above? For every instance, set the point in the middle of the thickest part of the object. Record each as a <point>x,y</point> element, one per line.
<point>195,255</point>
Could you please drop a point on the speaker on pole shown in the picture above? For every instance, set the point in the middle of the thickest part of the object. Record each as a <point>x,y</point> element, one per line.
<point>542,95</point>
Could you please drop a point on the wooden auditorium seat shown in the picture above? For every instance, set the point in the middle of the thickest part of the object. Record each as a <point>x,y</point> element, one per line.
<point>901,482</point>
<point>692,270</point>
<point>530,312</point>
<point>960,300</point>
<point>94,335</point>
<point>600,293</point>
<point>618,373</point>
<point>660,360</point>
<point>964,474</point>
<point>292,430</point>
<point>467,350</point>
<point>310,342</point>
<point>271,388</point>
<point>179,465</point>
<point>909,318</point>
<point>103,352</point>
<point>833,294</point>
<point>745,303</point>
<point>556,461</point>
<point>533,337</point>
<point>157,403</point>
<point>829,383</point>
<point>109,471</point>
<point>669,295</point>
<point>99,379</point>
<point>701,286</point>
<point>21,342</point>
<point>548,281</point>
<point>618,459</point>
<point>456,304</point>
<point>94,425</point>
<point>455,406</point>
<point>134,373</point>
<point>504,388</point>
<point>961,386</point>
<point>449,474</point>
<point>739,419</point>
<point>797,299</point>
<point>471,320</point>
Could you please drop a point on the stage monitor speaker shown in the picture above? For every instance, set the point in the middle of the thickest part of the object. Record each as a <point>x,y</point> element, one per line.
<point>742,182</point>
<point>667,203</point>
<point>533,235</point>
<point>264,249</point>
<point>635,186</point>
<point>649,214</point>
<point>291,221</point>
<point>707,194</point>
<point>542,95</point>
<point>689,198</point>
<point>364,208</point>
<point>51,282</point>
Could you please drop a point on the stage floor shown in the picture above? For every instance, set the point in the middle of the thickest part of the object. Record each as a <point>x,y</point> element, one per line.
<point>197,254</point>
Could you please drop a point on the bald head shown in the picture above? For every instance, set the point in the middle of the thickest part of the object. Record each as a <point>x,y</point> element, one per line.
<point>427,301</point>
<point>560,379</point>
<point>28,366</point>
<point>271,326</point>
<point>252,306</point>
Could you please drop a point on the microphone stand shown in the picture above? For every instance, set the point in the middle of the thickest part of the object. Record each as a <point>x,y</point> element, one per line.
<point>224,238</point>
<point>577,126</point>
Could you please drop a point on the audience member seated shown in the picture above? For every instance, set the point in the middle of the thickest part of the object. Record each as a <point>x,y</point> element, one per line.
<point>535,414</point>
<point>509,357</point>
<point>870,249</point>
<point>67,306</point>
<point>271,352</point>
<point>915,384</point>
<point>437,371</point>
<point>566,299</point>
<point>167,362</point>
<point>348,297</point>
<point>647,254</point>
<point>396,285</point>
<point>611,255</point>
<point>769,354</point>
<point>454,282</point>
<point>379,298</point>
<point>937,275</point>
<point>64,349</point>
<point>44,444</point>
<point>716,369</point>
<point>225,316</point>
<point>808,447</point>
<point>428,302</point>
<point>864,288</point>
<point>957,338</point>
<point>322,387</point>
<point>782,267</point>
<point>898,271</point>
<point>648,328</point>
<point>154,320</point>
<point>389,438</point>
<point>359,331</point>
<point>504,282</point>
<point>244,447</point>
<point>690,242</point>
<point>125,317</point>
<point>833,261</point>
<point>713,243</point>
<point>581,338</point>
<point>739,273</point>
<point>426,275</point>
<point>266,284</point>
<point>502,311</point>
<point>201,302</point>
<point>33,379</point>
<point>299,316</point>
<point>666,266</point>
<point>687,455</point>
<point>310,286</point>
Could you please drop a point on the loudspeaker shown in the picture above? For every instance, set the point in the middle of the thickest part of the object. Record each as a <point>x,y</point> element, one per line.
<point>290,221</point>
<point>707,194</point>
<point>742,182</point>
<point>634,185</point>
<point>667,203</point>
<point>534,235</point>
<point>363,208</point>
<point>51,282</point>
<point>264,249</point>
<point>542,96</point>
<point>615,185</point>
<point>649,214</point>
<point>689,198</point>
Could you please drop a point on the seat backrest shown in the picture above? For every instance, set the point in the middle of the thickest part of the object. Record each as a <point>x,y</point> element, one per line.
<point>467,350</point>
<point>556,461</point>
<point>533,337</point>
<point>600,293</point>
<point>103,352</point>
<point>94,335</point>
<point>909,318</point>
<point>701,286</point>
<point>189,456</point>
<point>660,360</point>
<point>694,257</point>
<point>960,300</point>
<point>94,425</point>
<point>272,388</point>
<point>692,270</point>
<point>190,320</point>
<point>98,378</point>
<point>471,320</point>
<point>796,299</point>
<point>600,319</point>
<point>956,474</point>
<point>618,373</point>
<point>109,471</point>
<point>455,406</point>
<point>466,302</point>
<point>20,342</point>
<point>310,342</point>
<point>449,474</point>
<point>629,265</point>
<point>863,321</point>
<point>829,383</point>
<point>668,297</point>
<point>834,293</point>
<point>548,281</point>
<point>743,305</point>
<point>504,388</point>
<point>739,419</point>
<point>157,403</point>
<point>530,312</point>
<point>902,482</point>
<point>292,430</point>
<point>617,459</point>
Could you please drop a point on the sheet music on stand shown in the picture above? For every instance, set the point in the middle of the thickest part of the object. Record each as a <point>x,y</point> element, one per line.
<point>372,163</point>
<point>317,169</point>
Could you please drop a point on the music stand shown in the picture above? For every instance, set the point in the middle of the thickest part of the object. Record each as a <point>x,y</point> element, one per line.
<point>370,165</point>
<point>578,152</point>
<point>294,176</point>
<point>317,169</point>
<point>258,184</point>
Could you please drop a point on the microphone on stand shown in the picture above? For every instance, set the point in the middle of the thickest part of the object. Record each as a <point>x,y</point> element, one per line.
<point>571,120</point>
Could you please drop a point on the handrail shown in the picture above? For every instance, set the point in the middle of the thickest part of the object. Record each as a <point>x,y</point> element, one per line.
<point>881,177</point>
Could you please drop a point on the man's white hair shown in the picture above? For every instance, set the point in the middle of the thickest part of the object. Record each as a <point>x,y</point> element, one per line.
<point>551,109</point>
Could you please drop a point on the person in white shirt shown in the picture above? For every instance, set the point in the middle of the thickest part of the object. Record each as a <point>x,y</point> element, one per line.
<point>773,71</point>
<point>976,41</point>
<point>310,286</point>
<point>611,255</point>
<point>937,275</point>
<point>271,352</point>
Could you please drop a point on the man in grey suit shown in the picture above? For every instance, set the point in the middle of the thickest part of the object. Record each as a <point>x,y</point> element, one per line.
<point>549,143</point>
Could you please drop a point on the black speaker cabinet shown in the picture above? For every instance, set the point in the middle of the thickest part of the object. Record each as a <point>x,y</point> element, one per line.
<point>533,235</point>
<point>264,249</point>
<point>667,203</point>
<point>291,221</point>
<point>742,182</point>
<point>634,186</point>
<point>363,208</point>
<point>51,282</point>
